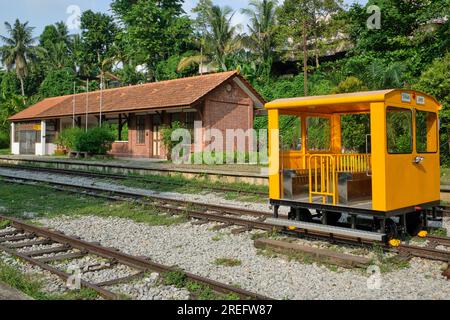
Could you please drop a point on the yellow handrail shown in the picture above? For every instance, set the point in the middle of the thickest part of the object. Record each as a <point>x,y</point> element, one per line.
<point>323,166</point>
<point>353,163</point>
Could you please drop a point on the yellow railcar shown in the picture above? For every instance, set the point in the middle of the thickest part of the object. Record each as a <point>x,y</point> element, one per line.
<point>387,177</point>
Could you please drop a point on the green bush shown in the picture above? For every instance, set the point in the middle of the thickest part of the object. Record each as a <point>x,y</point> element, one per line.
<point>96,141</point>
<point>4,140</point>
<point>166,133</point>
<point>68,138</point>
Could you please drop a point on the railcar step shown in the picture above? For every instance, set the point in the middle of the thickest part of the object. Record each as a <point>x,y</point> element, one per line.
<point>365,235</point>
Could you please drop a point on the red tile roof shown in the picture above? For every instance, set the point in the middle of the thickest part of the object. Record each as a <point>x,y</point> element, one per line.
<point>183,92</point>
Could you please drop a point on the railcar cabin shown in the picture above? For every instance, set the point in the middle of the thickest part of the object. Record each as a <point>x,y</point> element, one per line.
<point>385,184</point>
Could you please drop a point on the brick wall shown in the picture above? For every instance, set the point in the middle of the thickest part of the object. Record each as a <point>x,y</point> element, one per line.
<point>228,109</point>
<point>222,109</point>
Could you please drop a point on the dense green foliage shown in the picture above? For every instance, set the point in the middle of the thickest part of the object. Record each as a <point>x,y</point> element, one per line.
<point>166,133</point>
<point>96,141</point>
<point>288,49</point>
<point>68,138</point>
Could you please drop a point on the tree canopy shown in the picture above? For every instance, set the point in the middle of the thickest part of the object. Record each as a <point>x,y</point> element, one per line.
<point>286,48</point>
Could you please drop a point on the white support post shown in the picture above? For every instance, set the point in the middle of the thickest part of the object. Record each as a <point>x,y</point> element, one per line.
<point>13,127</point>
<point>43,132</point>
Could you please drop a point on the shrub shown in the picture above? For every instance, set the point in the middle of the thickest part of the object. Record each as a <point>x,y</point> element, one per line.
<point>96,141</point>
<point>166,133</point>
<point>67,139</point>
<point>4,140</point>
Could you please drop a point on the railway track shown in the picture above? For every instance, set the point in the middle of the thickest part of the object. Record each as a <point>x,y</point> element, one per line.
<point>121,177</point>
<point>19,236</point>
<point>230,216</point>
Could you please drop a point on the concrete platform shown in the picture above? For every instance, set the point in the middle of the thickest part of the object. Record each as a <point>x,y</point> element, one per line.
<point>8,293</point>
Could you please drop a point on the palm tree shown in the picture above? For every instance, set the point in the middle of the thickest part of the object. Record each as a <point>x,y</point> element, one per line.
<point>262,27</point>
<point>219,41</point>
<point>62,32</point>
<point>19,49</point>
<point>57,56</point>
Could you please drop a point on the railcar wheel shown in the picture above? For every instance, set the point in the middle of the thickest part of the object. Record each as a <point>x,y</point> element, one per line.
<point>330,218</point>
<point>391,229</point>
<point>413,223</point>
<point>300,214</point>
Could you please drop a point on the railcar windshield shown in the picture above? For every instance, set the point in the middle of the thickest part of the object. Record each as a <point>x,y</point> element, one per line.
<point>426,132</point>
<point>399,130</point>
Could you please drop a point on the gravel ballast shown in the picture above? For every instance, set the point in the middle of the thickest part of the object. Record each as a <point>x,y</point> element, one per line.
<point>196,248</point>
<point>192,248</point>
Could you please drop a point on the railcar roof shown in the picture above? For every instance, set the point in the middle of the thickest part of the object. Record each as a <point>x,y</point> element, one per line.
<point>355,98</point>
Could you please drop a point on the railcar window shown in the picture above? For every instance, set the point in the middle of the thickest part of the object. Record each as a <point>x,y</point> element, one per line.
<point>354,129</point>
<point>290,132</point>
<point>319,134</point>
<point>399,130</point>
<point>426,132</point>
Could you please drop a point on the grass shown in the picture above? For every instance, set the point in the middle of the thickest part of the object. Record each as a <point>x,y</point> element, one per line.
<point>439,232</point>
<point>178,183</point>
<point>178,278</point>
<point>4,224</point>
<point>388,264</point>
<point>217,237</point>
<point>445,176</point>
<point>5,152</point>
<point>227,262</point>
<point>18,199</point>
<point>32,286</point>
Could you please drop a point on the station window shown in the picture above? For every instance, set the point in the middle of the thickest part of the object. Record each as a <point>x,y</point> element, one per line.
<point>51,131</point>
<point>16,132</point>
<point>190,120</point>
<point>319,133</point>
<point>140,129</point>
<point>399,130</point>
<point>175,117</point>
<point>426,132</point>
<point>290,133</point>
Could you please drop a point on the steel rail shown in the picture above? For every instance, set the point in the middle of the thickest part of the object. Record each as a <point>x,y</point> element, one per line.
<point>128,194</point>
<point>104,175</point>
<point>199,210</point>
<point>138,263</point>
<point>428,253</point>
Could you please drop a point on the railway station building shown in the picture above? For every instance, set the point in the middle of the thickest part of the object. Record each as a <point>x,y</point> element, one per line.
<point>220,101</point>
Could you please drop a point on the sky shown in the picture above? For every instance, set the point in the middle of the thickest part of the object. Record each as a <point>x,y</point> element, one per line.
<point>40,13</point>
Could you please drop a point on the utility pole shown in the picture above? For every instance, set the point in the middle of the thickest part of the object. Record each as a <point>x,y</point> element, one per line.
<point>73,104</point>
<point>101,97</point>
<point>305,57</point>
<point>87,103</point>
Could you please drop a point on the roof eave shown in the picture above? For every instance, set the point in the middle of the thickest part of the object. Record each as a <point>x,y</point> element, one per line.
<point>324,101</point>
